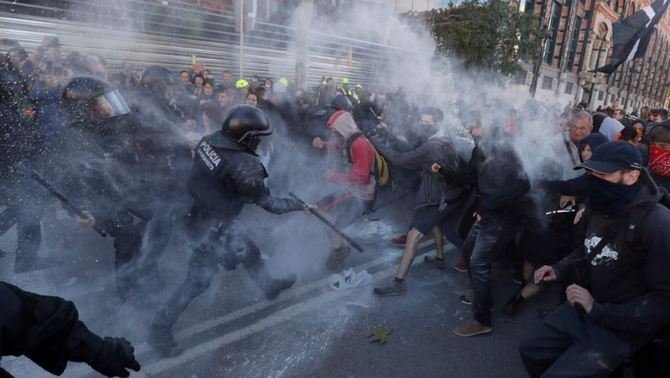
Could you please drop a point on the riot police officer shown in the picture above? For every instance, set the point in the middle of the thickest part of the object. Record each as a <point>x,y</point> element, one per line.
<point>226,174</point>
<point>94,165</point>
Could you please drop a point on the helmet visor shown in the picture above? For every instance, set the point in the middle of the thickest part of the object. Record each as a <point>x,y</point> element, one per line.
<point>112,104</point>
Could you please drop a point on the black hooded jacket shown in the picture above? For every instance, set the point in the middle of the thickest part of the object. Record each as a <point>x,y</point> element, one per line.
<point>498,172</point>
<point>628,278</point>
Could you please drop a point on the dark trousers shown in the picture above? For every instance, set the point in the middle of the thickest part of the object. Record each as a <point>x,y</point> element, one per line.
<point>482,246</point>
<point>127,246</point>
<point>569,344</point>
<point>31,209</point>
<point>231,247</point>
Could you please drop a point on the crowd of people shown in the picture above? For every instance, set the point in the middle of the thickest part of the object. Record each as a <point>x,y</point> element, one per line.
<point>149,156</point>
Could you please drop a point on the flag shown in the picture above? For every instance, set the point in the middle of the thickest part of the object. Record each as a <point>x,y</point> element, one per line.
<point>632,35</point>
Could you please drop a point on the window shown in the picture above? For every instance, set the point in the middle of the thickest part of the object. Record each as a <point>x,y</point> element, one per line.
<point>547,82</point>
<point>601,95</point>
<point>569,87</point>
<point>528,6</point>
<point>573,43</point>
<point>550,43</point>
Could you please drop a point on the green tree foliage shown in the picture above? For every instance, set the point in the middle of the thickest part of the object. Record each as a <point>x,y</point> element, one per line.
<point>491,35</point>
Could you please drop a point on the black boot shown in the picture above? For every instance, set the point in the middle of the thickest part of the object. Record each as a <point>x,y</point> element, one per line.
<point>162,340</point>
<point>275,286</point>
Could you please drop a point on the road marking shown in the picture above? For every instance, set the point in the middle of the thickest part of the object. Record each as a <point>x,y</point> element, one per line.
<point>278,317</point>
<point>285,296</point>
<point>82,370</point>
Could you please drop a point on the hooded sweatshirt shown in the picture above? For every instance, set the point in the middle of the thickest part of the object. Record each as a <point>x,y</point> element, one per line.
<point>359,180</point>
<point>610,128</point>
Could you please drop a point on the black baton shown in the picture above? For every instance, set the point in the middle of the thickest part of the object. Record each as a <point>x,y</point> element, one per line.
<point>330,225</point>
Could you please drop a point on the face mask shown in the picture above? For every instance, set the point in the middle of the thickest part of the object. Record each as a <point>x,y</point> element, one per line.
<point>659,161</point>
<point>610,197</point>
<point>425,131</point>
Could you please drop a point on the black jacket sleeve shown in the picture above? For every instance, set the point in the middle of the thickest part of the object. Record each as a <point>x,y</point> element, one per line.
<point>45,329</point>
<point>250,182</point>
<point>650,311</point>
<point>420,158</point>
<point>563,267</point>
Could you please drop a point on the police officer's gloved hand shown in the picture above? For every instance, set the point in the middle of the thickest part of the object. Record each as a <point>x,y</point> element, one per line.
<point>116,358</point>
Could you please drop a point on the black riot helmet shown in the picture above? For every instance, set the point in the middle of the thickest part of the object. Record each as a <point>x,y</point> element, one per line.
<point>90,102</point>
<point>245,125</point>
<point>157,79</point>
<point>341,102</point>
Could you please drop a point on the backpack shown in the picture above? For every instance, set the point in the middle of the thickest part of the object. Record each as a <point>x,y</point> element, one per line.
<point>380,168</point>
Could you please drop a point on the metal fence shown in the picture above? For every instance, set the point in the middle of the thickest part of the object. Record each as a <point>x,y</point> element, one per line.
<point>143,33</point>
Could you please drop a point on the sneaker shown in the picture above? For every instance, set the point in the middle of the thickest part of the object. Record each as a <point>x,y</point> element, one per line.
<point>468,297</point>
<point>161,339</point>
<point>335,262</point>
<point>461,267</point>
<point>278,285</point>
<point>471,328</point>
<point>438,263</point>
<point>399,241</point>
<point>394,287</point>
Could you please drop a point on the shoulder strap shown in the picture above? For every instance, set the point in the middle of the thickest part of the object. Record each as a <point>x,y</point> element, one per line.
<point>566,142</point>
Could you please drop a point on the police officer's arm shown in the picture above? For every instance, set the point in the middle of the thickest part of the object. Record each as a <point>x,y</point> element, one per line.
<point>251,184</point>
<point>649,311</point>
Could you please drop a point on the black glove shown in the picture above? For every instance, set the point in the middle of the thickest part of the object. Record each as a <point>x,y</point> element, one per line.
<point>116,357</point>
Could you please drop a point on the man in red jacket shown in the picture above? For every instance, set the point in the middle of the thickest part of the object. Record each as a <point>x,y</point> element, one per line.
<point>346,205</point>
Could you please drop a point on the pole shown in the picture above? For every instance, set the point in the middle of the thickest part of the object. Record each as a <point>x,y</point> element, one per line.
<point>538,63</point>
<point>595,74</point>
<point>567,42</point>
<point>303,22</point>
<point>630,84</point>
<point>242,39</point>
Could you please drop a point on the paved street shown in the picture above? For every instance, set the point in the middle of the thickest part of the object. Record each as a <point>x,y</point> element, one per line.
<point>310,330</point>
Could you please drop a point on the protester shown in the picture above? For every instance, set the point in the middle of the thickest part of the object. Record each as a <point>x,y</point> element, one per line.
<point>357,191</point>
<point>658,138</point>
<point>436,201</point>
<point>619,296</point>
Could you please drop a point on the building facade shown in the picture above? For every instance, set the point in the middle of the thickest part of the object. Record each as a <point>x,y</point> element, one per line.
<point>579,39</point>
